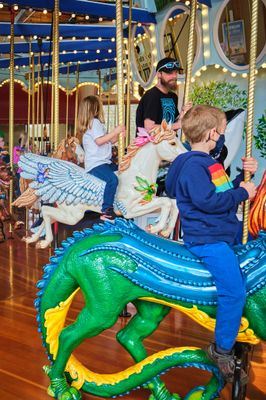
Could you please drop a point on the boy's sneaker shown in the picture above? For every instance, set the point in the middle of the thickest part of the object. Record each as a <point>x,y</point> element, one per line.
<point>226,364</point>
<point>108,215</point>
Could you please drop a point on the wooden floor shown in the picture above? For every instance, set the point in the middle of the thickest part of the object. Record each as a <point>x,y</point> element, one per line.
<point>22,355</point>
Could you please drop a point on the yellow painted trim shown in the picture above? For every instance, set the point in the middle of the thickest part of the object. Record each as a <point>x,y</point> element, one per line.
<point>55,321</point>
<point>245,334</point>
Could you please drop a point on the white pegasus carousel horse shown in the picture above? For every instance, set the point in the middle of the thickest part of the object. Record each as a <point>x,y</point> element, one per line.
<point>74,191</point>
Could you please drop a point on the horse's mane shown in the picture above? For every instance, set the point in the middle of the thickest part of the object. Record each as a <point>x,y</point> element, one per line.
<point>158,134</point>
<point>65,149</point>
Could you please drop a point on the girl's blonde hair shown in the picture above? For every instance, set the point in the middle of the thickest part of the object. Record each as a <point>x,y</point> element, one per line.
<point>90,107</point>
<point>199,120</point>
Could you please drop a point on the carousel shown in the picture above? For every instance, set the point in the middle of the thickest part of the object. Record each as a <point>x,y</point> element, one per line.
<point>102,292</point>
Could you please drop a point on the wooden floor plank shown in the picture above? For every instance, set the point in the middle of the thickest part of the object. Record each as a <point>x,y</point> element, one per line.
<point>22,355</point>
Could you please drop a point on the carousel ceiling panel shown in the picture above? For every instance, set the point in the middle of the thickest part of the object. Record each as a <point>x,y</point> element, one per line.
<point>91,66</point>
<point>66,45</point>
<point>63,58</point>
<point>83,7</point>
<point>65,30</point>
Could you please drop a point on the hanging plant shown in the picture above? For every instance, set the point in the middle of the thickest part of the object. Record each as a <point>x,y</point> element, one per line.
<point>221,94</point>
<point>260,137</point>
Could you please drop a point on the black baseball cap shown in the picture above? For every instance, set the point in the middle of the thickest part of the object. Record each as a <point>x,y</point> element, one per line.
<point>168,65</point>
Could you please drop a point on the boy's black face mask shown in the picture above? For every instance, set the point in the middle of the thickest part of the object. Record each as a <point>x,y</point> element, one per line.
<point>219,145</point>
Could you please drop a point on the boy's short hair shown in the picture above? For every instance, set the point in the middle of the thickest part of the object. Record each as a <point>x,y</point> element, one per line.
<point>199,120</point>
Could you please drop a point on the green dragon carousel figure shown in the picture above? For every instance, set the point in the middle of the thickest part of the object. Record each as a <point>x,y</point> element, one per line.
<point>114,264</point>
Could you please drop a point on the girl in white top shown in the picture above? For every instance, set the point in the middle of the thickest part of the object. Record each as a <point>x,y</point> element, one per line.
<point>97,144</point>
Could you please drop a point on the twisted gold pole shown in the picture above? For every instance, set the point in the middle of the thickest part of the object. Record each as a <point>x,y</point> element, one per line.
<point>128,71</point>
<point>190,52</point>
<point>76,101</point>
<point>42,112</point>
<point>56,73</point>
<point>250,108</point>
<point>11,111</point>
<point>119,74</point>
<point>38,99</point>
<point>33,103</point>
<point>100,83</point>
<point>67,98</point>
<point>29,96</point>
<point>109,100</point>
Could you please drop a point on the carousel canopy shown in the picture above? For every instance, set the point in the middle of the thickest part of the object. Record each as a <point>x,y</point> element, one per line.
<point>84,7</point>
<point>92,32</point>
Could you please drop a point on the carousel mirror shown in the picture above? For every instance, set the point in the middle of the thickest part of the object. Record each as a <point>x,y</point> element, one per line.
<point>233,32</point>
<point>142,59</point>
<point>174,42</point>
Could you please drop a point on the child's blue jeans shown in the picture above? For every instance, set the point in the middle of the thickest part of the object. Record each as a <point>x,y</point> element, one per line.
<point>222,263</point>
<point>106,173</point>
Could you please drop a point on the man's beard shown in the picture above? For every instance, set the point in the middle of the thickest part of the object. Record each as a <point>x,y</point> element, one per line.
<point>172,85</point>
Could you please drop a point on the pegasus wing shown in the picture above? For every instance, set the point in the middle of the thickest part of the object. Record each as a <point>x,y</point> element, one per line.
<point>61,181</point>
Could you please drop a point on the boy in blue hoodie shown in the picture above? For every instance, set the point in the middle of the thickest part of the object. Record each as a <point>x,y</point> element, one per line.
<point>207,201</point>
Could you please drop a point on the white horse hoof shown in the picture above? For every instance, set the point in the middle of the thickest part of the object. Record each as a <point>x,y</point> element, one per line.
<point>30,239</point>
<point>43,244</point>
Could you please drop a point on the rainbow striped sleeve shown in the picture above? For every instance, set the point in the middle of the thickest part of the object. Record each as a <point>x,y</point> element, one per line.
<point>219,178</point>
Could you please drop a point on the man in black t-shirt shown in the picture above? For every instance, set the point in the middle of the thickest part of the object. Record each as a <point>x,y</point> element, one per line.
<point>160,102</point>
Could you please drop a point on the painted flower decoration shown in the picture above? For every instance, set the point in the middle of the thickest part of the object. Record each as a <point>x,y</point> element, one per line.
<point>42,172</point>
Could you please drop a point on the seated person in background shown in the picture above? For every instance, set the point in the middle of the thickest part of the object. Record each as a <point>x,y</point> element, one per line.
<point>207,201</point>
<point>160,102</point>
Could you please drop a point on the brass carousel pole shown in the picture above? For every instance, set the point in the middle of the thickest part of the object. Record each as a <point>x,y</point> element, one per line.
<point>38,100</point>
<point>11,110</point>
<point>119,74</point>
<point>33,103</point>
<point>29,96</point>
<point>128,72</point>
<point>109,101</point>
<point>250,108</point>
<point>190,52</point>
<point>76,101</point>
<point>56,73</point>
<point>100,83</point>
<point>67,98</point>
<point>42,111</point>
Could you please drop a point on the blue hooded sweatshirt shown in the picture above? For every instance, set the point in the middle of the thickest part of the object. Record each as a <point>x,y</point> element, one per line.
<point>206,198</point>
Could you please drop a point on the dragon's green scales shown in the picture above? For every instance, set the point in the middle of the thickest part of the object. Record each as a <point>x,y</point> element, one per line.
<point>113,264</point>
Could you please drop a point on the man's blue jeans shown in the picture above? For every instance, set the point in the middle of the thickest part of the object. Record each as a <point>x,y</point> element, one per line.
<point>106,173</point>
<point>222,263</point>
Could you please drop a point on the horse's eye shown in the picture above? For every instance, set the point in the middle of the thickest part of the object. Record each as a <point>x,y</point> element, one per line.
<point>173,143</point>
